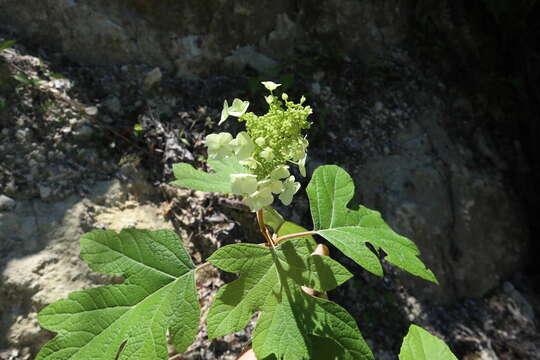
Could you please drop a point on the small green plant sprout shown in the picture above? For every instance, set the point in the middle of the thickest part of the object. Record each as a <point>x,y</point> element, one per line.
<point>26,81</point>
<point>157,304</point>
<point>3,105</point>
<point>7,44</point>
<point>137,129</point>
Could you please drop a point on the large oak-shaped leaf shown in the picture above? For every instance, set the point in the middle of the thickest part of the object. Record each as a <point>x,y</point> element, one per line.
<point>329,191</point>
<point>158,294</point>
<point>217,181</point>
<point>291,322</point>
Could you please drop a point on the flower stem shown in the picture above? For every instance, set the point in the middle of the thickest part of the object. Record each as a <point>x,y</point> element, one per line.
<point>292,236</point>
<point>263,229</point>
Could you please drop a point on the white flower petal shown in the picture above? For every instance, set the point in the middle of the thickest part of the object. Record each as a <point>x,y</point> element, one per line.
<point>290,187</point>
<point>269,99</point>
<point>259,199</point>
<point>268,154</point>
<point>238,108</point>
<point>275,186</point>
<point>243,183</point>
<point>270,85</point>
<point>243,145</point>
<point>224,112</point>
<point>281,172</point>
<point>302,165</point>
<point>219,145</point>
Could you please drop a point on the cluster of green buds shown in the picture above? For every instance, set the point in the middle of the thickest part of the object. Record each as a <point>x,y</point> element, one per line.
<point>270,144</point>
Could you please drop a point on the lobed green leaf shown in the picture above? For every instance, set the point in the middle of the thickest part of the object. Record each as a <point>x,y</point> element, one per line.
<point>290,321</point>
<point>329,191</point>
<point>218,181</point>
<point>158,293</point>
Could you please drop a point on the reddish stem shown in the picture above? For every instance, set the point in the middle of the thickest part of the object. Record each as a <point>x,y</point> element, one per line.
<point>263,229</point>
<point>292,236</point>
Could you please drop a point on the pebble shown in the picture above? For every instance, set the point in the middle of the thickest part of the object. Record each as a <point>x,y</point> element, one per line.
<point>44,192</point>
<point>21,134</point>
<point>152,78</point>
<point>6,203</point>
<point>84,132</point>
<point>91,110</point>
<point>113,105</point>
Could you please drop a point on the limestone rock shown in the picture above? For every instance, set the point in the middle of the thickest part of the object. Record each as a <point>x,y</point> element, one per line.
<point>39,250</point>
<point>6,203</point>
<point>466,224</point>
<point>102,32</point>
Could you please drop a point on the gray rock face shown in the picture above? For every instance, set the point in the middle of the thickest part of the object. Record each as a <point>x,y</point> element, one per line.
<point>6,203</point>
<point>39,254</point>
<point>465,222</point>
<point>195,36</point>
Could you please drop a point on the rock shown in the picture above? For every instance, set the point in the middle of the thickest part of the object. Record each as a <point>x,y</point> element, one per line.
<point>248,56</point>
<point>426,191</point>
<point>113,105</point>
<point>518,306</point>
<point>152,78</point>
<point>91,110</point>
<point>45,192</point>
<point>484,354</point>
<point>40,254</point>
<point>6,203</point>
<point>103,33</point>
<point>84,133</point>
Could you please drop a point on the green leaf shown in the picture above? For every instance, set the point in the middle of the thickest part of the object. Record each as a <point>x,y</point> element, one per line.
<point>292,323</point>
<point>158,293</point>
<point>22,78</point>
<point>7,44</point>
<point>270,281</point>
<point>329,192</point>
<point>421,345</point>
<point>218,181</point>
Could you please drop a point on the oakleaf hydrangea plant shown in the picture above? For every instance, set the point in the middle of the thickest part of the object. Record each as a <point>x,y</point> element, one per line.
<point>284,280</point>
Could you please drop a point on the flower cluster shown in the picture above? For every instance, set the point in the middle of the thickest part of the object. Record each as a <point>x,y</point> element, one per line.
<point>266,149</point>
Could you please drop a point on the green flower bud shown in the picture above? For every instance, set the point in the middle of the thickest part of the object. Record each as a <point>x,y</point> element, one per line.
<point>260,141</point>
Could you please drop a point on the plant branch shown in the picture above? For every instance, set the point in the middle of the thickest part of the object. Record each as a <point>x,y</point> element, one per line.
<point>292,236</point>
